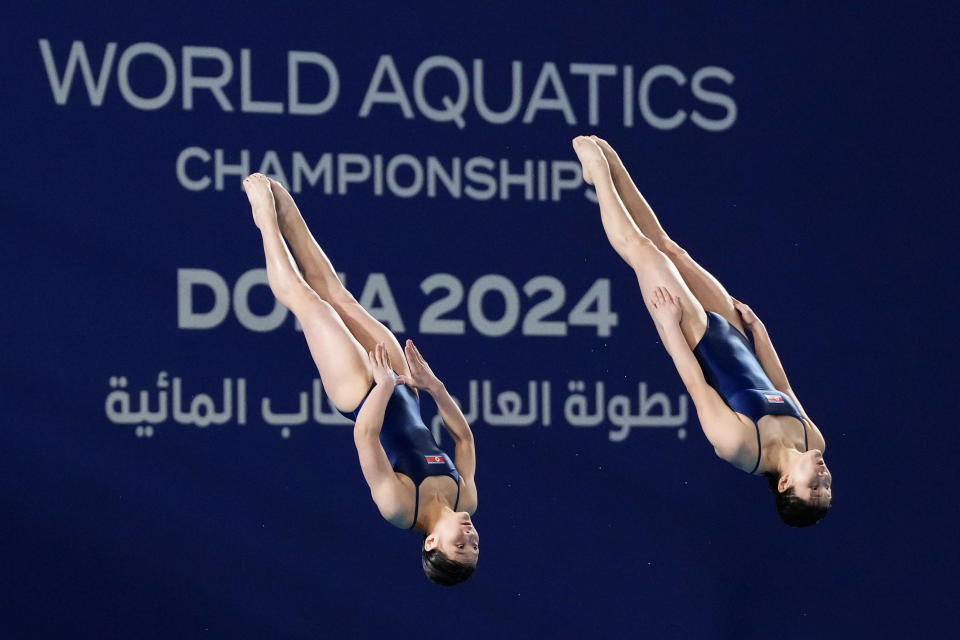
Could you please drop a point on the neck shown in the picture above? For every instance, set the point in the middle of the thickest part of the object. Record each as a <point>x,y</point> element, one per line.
<point>431,511</point>
<point>782,456</point>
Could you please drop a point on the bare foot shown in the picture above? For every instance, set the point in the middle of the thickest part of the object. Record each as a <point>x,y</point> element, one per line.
<point>257,187</point>
<point>617,170</point>
<point>287,209</point>
<point>591,158</point>
<point>608,152</point>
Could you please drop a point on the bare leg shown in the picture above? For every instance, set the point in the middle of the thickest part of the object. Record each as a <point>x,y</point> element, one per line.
<point>322,277</point>
<point>653,268</point>
<point>704,286</point>
<point>342,362</point>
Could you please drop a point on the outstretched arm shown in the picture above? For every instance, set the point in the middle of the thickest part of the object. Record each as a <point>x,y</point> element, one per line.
<point>766,354</point>
<point>719,422</point>
<point>422,377</point>
<point>385,487</point>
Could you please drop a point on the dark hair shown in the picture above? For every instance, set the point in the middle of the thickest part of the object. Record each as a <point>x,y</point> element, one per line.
<point>794,511</point>
<point>441,570</point>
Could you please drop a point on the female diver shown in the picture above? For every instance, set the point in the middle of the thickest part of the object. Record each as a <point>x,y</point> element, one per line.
<point>745,405</point>
<point>413,483</point>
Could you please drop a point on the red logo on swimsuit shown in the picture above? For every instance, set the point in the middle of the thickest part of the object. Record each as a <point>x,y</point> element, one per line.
<point>434,459</point>
<point>773,397</point>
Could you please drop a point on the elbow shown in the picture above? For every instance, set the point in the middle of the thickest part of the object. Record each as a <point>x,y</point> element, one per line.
<point>364,430</point>
<point>460,439</point>
<point>466,437</point>
<point>358,436</point>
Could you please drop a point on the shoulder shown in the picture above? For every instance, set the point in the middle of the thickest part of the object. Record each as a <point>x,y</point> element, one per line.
<point>814,437</point>
<point>400,518</point>
<point>395,501</point>
<point>734,438</point>
<point>468,495</point>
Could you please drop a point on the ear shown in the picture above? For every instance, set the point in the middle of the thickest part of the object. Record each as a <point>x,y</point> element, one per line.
<point>431,542</point>
<point>784,481</point>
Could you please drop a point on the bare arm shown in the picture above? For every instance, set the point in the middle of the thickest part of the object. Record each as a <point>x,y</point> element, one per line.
<point>721,425</point>
<point>385,488</point>
<point>465,455</point>
<point>459,430</point>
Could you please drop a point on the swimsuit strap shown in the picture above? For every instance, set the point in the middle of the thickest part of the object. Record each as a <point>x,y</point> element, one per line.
<point>806,444</point>
<point>757,465</point>
<point>416,505</point>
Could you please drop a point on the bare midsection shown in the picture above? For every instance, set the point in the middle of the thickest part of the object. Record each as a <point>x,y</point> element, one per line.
<point>442,487</point>
<point>783,429</point>
<point>769,433</point>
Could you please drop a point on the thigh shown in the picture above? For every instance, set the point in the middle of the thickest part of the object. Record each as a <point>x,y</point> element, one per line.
<point>654,269</point>
<point>342,361</point>
<point>707,289</point>
<point>369,331</point>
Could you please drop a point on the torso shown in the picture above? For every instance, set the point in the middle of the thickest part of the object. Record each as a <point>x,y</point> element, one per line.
<point>774,431</point>
<point>767,417</point>
<point>443,488</point>
<point>424,471</point>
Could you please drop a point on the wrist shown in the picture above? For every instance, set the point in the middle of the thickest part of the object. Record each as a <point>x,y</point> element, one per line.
<point>673,338</point>
<point>757,327</point>
<point>671,326</point>
<point>383,384</point>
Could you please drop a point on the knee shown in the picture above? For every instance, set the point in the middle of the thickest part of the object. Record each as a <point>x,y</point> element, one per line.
<point>341,298</point>
<point>294,294</point>
<point>672,249</point>
<point>310,305</point>
<point>284,290</point>
<point>634,242</point>
<point>637,249</point>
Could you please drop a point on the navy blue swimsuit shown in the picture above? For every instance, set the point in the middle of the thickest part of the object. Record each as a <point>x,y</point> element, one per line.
<point>731,367</point>
<point>409,445</point>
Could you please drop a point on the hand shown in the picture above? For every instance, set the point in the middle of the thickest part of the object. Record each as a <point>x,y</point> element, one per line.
<point>749,318</point>
<point>666,308</point>
<point>380,361</point>
<point>421,376</point>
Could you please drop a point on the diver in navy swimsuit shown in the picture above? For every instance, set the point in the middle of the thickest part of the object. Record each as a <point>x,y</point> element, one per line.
<point>745,404</point>
<point>364,372</point>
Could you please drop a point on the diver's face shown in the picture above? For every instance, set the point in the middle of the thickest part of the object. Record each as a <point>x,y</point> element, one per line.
<point>457,538</point>
<point>811,479</point>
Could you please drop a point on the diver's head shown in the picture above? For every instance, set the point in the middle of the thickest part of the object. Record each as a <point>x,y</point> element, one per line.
<point>451,549</point>
<point>803,493</point>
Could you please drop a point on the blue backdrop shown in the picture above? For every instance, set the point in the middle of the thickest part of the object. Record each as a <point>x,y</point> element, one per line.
<point>170,467</point>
